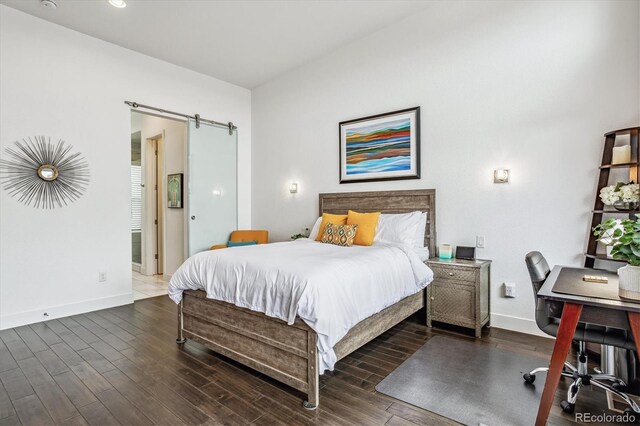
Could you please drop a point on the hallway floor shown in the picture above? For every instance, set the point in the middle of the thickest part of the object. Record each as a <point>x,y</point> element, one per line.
<point>145,286</point>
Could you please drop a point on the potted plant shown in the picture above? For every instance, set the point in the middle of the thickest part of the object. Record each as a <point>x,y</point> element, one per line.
<point>304,234</point>
<point>622,196</point>
<point>624,237</point>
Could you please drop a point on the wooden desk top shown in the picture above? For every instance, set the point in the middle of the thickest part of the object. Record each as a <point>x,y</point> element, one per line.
<point>546,292</point>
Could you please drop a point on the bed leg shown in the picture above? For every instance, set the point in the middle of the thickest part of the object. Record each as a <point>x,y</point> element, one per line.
<point>180,339</point>
<point>313,391</point>
<point>313,394</point>
<point>308,406</point>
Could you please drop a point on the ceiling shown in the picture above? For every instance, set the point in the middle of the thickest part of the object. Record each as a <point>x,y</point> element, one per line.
<point>243,42</point>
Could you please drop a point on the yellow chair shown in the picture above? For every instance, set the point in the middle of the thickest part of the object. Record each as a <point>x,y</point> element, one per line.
<point>240,236</point>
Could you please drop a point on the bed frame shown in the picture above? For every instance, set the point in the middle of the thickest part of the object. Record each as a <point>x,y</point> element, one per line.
<point>287,353</point>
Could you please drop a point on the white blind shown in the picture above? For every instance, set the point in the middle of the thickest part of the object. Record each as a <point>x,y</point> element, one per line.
<point>136,198</point>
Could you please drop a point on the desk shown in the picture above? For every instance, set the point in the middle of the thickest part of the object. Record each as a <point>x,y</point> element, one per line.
<point>612,313</point>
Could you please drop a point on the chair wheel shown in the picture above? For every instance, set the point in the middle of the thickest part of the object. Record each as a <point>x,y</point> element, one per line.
<point>529,378</point>
<point>567,407</point>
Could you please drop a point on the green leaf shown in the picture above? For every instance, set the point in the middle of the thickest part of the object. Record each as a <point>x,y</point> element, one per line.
<point>636,251</point>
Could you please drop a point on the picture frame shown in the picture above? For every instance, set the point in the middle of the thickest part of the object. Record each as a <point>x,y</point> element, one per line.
<point>380,147</point>
<point>175,191</point>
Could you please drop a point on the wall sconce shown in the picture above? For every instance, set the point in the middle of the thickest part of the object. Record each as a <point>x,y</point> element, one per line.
<point>217,192</point>
<point>501,176</point>
<point>293,187</point>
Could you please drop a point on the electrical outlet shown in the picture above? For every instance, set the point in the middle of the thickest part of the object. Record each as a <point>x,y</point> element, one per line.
<point>102,277</point>
<point>480,241</point>
<point>509,290</point>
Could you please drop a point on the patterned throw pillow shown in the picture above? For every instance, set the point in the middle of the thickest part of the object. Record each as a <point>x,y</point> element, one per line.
<point>340,235</point>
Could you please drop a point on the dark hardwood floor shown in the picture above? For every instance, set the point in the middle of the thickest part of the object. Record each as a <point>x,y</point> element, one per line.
<point>122,366</point>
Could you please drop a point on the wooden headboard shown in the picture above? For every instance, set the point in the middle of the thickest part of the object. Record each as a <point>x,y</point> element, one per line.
<point>386,202</point>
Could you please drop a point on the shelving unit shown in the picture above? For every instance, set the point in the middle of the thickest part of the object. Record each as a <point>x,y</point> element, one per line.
<point>599,209</point>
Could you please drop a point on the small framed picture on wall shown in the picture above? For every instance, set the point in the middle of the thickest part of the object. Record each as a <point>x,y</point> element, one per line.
<point>381,147</point>
<point>174,191</point>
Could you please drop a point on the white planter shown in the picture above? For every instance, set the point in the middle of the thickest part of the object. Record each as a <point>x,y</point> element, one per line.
<point>629,282</point>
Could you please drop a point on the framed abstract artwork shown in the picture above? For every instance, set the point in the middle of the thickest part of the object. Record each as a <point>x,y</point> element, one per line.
<point>381,147</point>
<point>174,191</point>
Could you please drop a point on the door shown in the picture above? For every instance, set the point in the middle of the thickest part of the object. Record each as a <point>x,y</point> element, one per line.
<point>212,185</point>
<point>453,302</point>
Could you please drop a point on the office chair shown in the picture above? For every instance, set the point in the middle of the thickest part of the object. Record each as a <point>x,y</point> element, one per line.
<point>585,332</point>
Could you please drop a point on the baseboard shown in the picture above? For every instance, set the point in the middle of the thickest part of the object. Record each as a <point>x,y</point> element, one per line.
<point>522,325</point>
<point>24,318</point>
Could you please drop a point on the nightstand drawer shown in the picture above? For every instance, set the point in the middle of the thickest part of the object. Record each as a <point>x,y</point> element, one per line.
<point>453,273</point>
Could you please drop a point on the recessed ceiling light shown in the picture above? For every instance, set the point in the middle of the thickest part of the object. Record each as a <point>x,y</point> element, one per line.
<point>118,3</point>
<point>49,4</point>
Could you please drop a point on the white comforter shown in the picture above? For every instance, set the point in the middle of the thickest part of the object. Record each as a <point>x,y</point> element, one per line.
<point>331,288</point>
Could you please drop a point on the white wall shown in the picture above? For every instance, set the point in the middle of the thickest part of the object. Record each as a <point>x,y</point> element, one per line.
<point>531,86</point>
<point>66,85</point>
<point>173,161</point>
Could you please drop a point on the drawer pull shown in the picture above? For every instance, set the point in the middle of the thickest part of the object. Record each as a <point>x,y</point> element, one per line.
<point>450,274</point>
<point>432,298</point>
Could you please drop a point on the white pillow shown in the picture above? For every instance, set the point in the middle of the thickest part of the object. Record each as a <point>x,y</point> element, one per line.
<point>399,228</point>
<point>316,228</point>
<point>422,252</point>
<point>422,228</point>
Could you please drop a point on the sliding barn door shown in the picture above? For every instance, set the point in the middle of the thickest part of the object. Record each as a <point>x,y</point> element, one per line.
<point>212,185</point>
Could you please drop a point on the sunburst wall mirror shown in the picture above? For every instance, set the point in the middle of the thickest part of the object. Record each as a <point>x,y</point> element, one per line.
<point>42,174</point>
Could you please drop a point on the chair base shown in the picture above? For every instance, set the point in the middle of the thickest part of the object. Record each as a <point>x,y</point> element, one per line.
<point>581,377</point>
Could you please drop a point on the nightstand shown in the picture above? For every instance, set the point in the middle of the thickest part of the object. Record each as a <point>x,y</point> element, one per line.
<point>459,293</point>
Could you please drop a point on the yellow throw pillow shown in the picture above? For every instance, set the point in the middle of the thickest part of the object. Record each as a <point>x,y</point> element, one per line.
<point>339,235</point>
<point>367,223</point>
<point>336,219</point>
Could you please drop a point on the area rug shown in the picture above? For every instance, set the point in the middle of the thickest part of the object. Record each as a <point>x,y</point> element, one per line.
<point>468,382</point>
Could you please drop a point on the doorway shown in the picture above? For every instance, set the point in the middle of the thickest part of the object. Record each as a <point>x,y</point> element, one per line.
<point>158,231</point>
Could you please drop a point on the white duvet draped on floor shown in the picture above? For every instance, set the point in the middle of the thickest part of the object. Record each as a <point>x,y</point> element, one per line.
<point>331,288</point>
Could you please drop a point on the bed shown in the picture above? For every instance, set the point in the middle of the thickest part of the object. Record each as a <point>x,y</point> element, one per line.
<point>287,351</point>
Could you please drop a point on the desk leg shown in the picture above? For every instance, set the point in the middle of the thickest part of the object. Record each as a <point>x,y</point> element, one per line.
<point>634,322</point>
<point>568,322</point>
